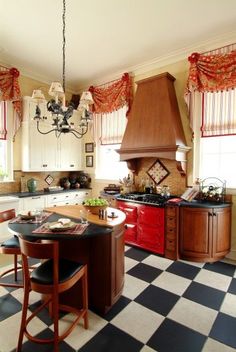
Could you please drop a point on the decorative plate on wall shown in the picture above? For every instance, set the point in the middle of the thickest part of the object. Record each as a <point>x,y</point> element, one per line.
<point>158,172</point>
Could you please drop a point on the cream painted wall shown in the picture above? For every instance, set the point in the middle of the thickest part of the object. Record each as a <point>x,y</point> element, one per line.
<point>180,71</point>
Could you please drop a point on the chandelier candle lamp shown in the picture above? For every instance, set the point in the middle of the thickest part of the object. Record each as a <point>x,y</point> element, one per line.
<point>56,106</point>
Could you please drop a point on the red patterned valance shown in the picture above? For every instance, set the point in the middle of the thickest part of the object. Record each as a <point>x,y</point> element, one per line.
<point>10,91</point>
<point>211,73</point>
<point>9,85</point>
<point>112,97</point>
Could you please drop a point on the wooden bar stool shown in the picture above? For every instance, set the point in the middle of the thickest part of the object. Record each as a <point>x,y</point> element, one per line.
<point>50,278</point>
<point>12,247</point>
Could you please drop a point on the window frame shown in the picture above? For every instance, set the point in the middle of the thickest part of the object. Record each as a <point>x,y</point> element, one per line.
<point>9,141</point>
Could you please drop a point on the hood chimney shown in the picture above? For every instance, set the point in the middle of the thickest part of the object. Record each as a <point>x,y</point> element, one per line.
<point>154,127</point>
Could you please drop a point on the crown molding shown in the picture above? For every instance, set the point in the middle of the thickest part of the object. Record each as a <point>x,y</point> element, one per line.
<point>142,68</point>
<point>168,59</point>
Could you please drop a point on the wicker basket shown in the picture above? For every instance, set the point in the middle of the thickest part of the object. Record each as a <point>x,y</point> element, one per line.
<point>94,209</point>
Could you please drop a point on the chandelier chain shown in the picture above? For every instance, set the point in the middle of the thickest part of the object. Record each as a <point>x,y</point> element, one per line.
<point>59,112</point>
<point>64,44</point>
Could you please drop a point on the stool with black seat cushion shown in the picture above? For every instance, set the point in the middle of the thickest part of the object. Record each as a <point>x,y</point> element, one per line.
<point>50,278</point>
<point>12,247</point>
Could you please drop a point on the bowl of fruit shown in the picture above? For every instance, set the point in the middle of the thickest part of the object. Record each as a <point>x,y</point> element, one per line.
<point>95,204</point>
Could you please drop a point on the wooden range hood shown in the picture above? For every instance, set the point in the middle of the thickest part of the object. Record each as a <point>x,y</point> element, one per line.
<point>154,127</point>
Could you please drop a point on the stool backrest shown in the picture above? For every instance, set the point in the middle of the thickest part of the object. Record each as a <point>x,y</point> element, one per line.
<point>7,215</point>
<point>39,250</point>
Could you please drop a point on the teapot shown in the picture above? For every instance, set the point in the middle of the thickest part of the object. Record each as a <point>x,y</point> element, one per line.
<point>32,185</point>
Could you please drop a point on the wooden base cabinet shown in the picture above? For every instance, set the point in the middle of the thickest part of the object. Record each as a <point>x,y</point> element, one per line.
<point>204,233</point>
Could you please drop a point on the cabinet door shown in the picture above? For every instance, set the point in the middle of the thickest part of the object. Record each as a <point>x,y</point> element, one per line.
<point>131,212</point>
<point>43,154</point>
<point>195,233</point>
<point>131,233</point>
<point>151,216</point>
<point>151,238</point>
<point>70,148</point>
<point>151,228</point>
<point>221,231</point>
<point>39,151</point>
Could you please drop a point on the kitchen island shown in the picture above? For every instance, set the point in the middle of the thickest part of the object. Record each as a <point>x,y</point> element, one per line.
<point>101,247</point>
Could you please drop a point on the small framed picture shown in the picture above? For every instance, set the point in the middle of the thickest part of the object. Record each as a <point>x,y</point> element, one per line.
<point>89,161</point>
<point>89,148</point>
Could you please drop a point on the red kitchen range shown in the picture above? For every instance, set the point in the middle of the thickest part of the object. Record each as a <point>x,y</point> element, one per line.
<point>144,226</point>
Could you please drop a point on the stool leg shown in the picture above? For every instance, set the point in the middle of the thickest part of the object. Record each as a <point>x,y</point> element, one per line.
<point>15,266</point>
<point>85,297</point>
<point>23,317</point>
<point>55,311</point>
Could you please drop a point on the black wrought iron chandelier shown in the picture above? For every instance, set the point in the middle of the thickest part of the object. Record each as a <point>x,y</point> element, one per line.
<point>56,106</point>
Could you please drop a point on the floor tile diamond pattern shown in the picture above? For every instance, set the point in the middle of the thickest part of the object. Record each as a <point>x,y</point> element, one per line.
<point>166,306</point>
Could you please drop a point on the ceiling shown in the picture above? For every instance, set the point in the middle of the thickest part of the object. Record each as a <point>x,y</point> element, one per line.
<point>105,38</point>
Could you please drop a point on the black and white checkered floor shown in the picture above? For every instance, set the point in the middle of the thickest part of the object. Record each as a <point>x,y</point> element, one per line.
<point>166,306</point>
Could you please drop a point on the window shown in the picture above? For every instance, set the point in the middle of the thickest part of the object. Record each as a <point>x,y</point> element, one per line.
<point>6,145</point>
<point>217,159</point>
<point>108,133</point>
<point>215,139</point>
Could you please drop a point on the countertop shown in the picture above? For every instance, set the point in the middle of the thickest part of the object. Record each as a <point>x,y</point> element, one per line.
<point>73,212</point>
<point>42,193</point>
<point>203,204</point>
<point>97,227</point>
<point>26,230</point>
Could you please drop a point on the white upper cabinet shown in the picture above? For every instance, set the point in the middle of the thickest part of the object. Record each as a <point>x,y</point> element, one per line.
<point>46,152</point>
<point>70,148</point>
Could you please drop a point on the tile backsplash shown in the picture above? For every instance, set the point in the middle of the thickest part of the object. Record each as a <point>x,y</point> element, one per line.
<point>15,186</point>
<point>174,180</point>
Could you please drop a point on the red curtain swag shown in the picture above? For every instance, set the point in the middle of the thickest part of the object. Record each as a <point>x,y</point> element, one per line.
<point>10,90</point>
<point>113,97</point>
<point>211,73</point>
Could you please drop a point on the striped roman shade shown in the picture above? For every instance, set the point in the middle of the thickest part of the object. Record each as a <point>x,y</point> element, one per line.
<point>219,113</point>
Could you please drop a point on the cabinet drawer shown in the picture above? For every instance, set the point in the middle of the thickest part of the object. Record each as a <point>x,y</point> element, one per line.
<point>170,211</point>
<point>171,222</point>
<point>171,234</point>
<point>170,244</point>
<point>54,198</point>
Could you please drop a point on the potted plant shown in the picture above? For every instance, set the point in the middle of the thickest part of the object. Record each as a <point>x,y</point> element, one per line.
<point>3,174</point>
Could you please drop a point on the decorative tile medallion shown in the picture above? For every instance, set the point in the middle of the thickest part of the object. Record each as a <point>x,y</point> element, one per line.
<point>158,172</point>
<point>49,179</point>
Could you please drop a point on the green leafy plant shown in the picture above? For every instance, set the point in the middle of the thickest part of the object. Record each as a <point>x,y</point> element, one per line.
<point>2,174</point>
<point>95,202</point>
